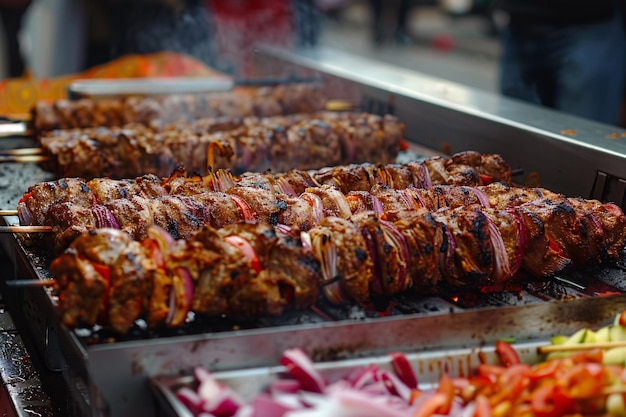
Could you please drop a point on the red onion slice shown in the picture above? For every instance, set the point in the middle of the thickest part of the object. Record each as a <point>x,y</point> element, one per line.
<point>403,369</point>
<point>245,212</point>
<point>446,251</point>
<point>306,241</point>
<point>421,176</point>
<point>407,197</point>
<point>163,238</point>
<point>317,207</point>
<point>417,196</point>
<point>501,268</point>
<point>217,399</point>
<point>225,179</point>
<point>181,297</point>
<point>376,285</point>
<point>341,203</point>
<point>326,252</point>
<point>377,206</point>
<point>104,217</point>
<point>24,214</point>
<point>283,228</point>
<point>300,366</point>
<point>484,201</point>
<point>285,187</point>
<point>265,406</point>
<point>394,238</point>
<point>190,399</point>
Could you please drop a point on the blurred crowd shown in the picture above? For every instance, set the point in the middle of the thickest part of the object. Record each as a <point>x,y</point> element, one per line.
<point>565,54</point>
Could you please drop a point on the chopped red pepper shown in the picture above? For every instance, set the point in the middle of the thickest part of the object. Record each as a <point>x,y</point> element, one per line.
<point>549,400</point>
<point>446,387</point>
<point>508,356</point>
<point>485,179</point>
<point>404,145</point>
<point>554,246</point>
<point>483,408</point>
<point>25,197</point>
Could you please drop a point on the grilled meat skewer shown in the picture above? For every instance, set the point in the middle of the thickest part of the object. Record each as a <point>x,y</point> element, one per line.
<point>261,102</point>
<point>305,141</point>
<point>234,271</point>
<point>72,206</point>
<point>243,270</point>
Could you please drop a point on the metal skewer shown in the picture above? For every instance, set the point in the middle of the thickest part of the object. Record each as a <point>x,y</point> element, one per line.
<point>30,282</point>
<point>22,151</point>
<point>23,158</point>
<point>25,229</point>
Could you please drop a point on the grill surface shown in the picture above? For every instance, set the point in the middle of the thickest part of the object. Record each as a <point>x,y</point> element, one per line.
<point>107,373</point>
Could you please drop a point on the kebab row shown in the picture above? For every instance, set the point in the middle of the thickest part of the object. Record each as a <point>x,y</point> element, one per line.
<point>304,140</point>
<point>181,204</point>
<point>261,102</point>
<point>251,270</point>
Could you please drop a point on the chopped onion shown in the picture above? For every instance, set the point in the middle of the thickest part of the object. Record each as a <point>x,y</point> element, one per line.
<point>163,238</point>
<point>403,369</point>
<point>300,366</point>
<point>446,257</point>
<point>245,211</point>
<point>366,392</point>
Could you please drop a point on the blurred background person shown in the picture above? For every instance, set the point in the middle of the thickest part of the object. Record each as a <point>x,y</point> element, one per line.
<point>565,54</point>
<point>384,10</point>
<point>11,13</point>
<point>122,27</point>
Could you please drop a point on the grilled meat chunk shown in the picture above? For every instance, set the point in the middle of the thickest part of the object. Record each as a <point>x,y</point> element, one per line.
<point>279,144</point>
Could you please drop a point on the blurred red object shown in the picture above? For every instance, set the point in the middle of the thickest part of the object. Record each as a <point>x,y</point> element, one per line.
<point>19,95</point>
<point>240,24</point>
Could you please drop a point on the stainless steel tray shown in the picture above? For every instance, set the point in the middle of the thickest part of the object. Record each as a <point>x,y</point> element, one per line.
<point>248,383</point>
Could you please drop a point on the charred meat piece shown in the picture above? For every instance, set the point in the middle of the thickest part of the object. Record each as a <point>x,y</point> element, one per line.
<point>306,141</point>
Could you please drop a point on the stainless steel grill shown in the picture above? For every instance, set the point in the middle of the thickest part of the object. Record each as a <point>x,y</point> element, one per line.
<point>107,374</point>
